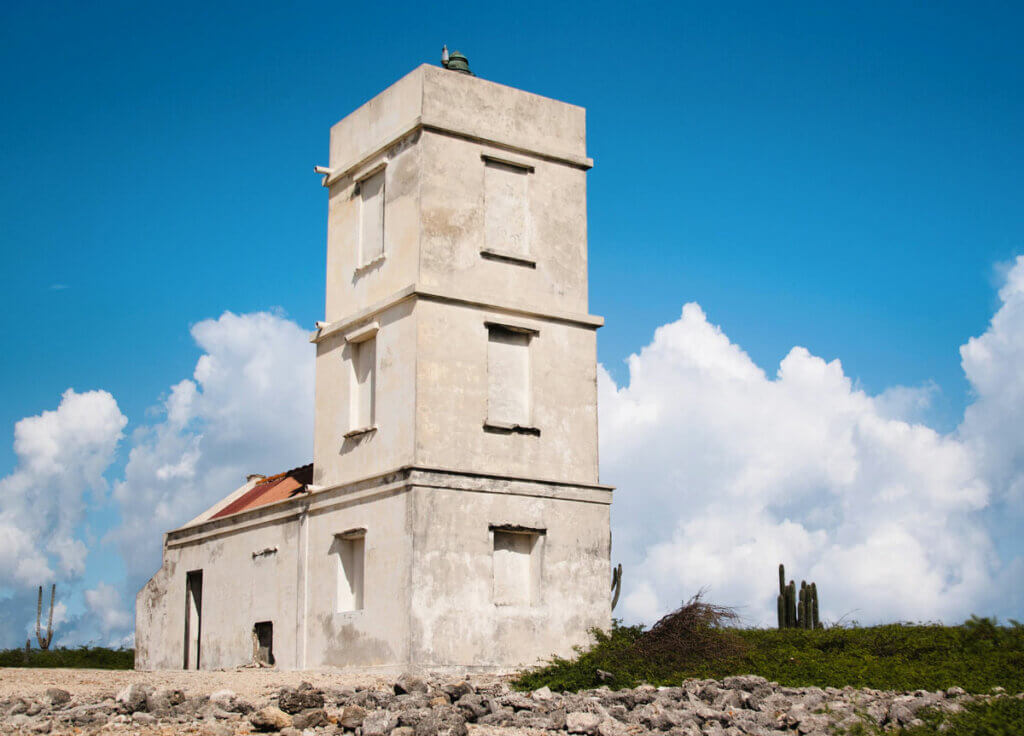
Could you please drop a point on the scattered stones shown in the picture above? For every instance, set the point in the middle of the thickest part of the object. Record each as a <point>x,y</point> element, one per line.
<point>431,706</point>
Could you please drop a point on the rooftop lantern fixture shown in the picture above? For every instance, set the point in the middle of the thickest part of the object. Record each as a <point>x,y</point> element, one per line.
<point>455,61</point>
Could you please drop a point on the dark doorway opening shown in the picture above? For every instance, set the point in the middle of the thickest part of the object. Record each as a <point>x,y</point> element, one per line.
<point>193,618</point>
<point>264,642</point>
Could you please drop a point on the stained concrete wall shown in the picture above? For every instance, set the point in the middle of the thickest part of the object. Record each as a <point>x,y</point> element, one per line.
<point>470,106</point>
<point>452,394</point>
<point>339,459</point>
<point>428,578</point>
<point>378,635</point>
<point>238,591</point>
<point>453,207</point>
<point>350,285</point>
<point>455,619</point>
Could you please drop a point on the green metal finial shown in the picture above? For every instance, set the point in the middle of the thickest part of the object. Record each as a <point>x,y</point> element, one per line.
<point>458,63</point>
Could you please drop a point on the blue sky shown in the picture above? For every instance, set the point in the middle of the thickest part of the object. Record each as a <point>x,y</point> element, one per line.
<point>842,177</point>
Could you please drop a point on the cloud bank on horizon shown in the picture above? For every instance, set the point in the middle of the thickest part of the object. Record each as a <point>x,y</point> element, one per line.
<point>722,471</point>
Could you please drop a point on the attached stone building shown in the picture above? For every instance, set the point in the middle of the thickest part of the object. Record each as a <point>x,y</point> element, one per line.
<point>452,517</point>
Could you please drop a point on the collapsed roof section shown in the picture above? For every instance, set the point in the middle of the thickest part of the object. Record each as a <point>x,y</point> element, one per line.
<point>270,490</point>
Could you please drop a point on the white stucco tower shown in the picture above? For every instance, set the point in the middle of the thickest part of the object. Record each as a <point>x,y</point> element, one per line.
<point>454,516</point>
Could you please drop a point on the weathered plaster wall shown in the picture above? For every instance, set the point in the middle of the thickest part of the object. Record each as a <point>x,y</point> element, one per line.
<point>339,459</point>
<point>238,591</point>
<point>455,619</point>
<point>492,111</point>
<point>377,635</point>
<point>351,286</point>
<point>452,389</point>
<point>470,106</point>
<point>453,206</point>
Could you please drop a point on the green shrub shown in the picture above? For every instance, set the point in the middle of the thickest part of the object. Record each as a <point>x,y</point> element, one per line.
<point>996,717</point>
<point>101,658</point>
<point>976,655</point>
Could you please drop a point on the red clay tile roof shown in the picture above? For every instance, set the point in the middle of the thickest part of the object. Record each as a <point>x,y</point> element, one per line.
<point>275,488</point>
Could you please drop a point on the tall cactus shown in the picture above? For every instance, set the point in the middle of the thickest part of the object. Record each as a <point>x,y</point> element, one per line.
<point>616,584</point>
<point>797,609</point>
<point>44,641</point>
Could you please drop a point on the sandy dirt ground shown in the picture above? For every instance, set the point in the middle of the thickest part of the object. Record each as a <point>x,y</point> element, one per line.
<point>249,684</point>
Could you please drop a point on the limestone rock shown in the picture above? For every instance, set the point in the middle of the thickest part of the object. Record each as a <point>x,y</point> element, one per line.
<point>57,697</point>
<point>296,700</point>
<point>352,716</point>
<point>542,694</point>
<point>311,718</point>
<point>611,727</point>
<point>409,684</point>
<point>450,723</point>
<point>163,699</point>
<point>472,707</point>
<point>456,690</point>
<point>270,719</point>
<point>379,723</point>
<point>224,698</point>
<point>217,729</point>
<point>579,722</point>
<point>133,697</point>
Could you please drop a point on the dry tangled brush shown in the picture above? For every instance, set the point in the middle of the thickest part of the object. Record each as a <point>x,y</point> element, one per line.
<point>696,632</point>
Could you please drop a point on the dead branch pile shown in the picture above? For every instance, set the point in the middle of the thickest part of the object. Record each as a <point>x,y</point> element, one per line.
<point>695,633</point>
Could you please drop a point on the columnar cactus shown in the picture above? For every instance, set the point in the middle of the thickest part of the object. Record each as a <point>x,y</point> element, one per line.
<point>616,584</point>
<point>797,610</point>
<point>44,641</point>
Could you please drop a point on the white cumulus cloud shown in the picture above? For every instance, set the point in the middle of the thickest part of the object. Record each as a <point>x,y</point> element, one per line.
<point>724,471</point>
<point>994,365</point>
<point>247,408</point>
<point>62,455</point>
<point>104,604</point>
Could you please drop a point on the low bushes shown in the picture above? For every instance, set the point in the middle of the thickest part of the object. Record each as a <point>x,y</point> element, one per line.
<point>100,658</point>
<point>977,656</point>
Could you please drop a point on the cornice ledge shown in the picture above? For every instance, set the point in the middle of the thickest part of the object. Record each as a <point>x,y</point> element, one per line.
<point>415,291</point>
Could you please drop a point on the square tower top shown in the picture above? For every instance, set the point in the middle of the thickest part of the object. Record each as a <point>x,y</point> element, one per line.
<point>448,102</point>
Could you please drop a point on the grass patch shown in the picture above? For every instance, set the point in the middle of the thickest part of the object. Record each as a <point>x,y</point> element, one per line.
<point>101,658</point>
<point>977,656</point>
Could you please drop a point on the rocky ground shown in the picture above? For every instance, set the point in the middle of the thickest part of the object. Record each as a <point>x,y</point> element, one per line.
<point>52,702</point>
